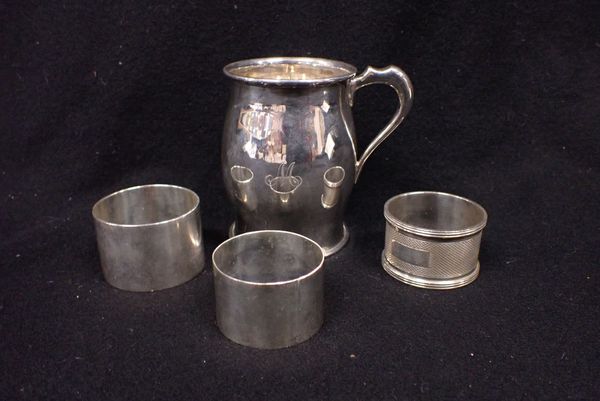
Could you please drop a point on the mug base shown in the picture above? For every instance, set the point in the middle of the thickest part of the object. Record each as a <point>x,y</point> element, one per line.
<point>327,250</point>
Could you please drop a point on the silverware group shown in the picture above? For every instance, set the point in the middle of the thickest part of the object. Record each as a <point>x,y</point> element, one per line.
<point>289,162</point>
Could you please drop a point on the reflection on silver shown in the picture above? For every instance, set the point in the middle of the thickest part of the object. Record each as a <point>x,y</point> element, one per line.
<point>332,183</point>
<point>264,135</point>
<point>262,128</point>
<point>289,111</point>
<point>284,184</point>
<point>259,121</point>
<point>330,143</point>
<point>242,182</point>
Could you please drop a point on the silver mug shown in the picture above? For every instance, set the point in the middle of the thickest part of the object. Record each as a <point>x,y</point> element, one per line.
<point>289,125</point>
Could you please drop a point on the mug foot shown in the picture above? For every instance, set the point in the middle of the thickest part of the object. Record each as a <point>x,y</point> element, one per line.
<point>327,250</point>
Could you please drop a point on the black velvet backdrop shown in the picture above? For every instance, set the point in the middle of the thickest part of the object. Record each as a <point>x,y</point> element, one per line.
<point>97,96</point>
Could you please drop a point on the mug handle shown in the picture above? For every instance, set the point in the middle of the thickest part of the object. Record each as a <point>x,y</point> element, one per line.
<point>397,79</point>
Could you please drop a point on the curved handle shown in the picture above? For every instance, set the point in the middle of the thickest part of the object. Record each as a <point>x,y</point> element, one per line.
<point>397,79</point>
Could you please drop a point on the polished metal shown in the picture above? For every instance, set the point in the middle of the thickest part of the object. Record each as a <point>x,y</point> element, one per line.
<point>242,189</point>
<point>268,288</point>
<point>289,124</point>
<point>149,237</point>
<point>284,184</point>
<point>332,180</point>
<point>432,239</point>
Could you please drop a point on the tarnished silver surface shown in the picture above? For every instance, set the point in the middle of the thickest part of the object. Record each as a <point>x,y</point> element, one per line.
<point>432,239</point>
<point>268,288</point>
<point>149,237</point>
<point>289,129</point>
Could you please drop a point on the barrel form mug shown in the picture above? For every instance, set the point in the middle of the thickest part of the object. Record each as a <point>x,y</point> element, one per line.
<point>289,150</point>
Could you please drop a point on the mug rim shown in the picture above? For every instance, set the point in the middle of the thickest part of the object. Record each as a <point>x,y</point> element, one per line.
<point>346,71</point>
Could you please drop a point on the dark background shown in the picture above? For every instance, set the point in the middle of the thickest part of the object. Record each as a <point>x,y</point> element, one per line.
<point>96,97</point>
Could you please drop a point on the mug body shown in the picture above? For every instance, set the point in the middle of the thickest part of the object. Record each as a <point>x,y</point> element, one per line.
<point>289,127</point>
